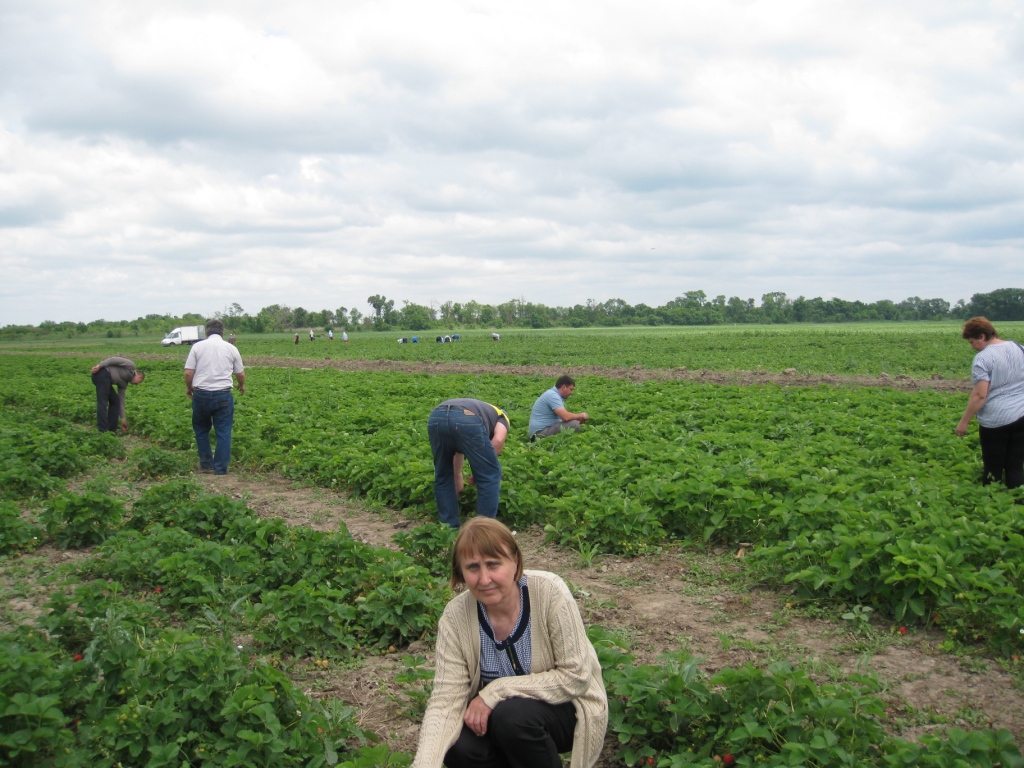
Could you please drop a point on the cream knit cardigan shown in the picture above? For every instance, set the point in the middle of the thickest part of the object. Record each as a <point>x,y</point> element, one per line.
<point>564,667</point>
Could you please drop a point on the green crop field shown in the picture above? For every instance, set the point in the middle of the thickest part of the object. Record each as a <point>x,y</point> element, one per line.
<point>850,495</point>
<point>913,349</point>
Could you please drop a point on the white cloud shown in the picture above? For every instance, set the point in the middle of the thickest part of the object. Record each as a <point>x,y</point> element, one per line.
<point>315,153</point>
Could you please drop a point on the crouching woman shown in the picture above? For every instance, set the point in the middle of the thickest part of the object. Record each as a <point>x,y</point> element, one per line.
<point>517,681</point>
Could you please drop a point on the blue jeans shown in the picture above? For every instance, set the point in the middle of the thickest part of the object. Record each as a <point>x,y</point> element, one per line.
<point>217,410</point>
<point>452,430</point>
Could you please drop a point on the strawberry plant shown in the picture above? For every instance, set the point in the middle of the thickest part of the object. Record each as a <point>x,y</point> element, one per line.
<point>82,520</point>
<point>16,533</point>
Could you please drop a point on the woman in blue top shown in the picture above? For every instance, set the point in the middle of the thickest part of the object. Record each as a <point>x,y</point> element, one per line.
<point>998,402</point>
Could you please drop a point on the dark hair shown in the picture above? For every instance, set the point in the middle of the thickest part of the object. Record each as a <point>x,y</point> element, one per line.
<point>565,380</point>
<point>484,536</point>
<point>215,326</point>
<point>979,328</point>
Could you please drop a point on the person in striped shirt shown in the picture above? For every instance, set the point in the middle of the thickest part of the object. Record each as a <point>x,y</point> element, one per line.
<point>997,401</point>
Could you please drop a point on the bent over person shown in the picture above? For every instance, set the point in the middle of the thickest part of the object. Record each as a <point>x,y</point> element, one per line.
<point>208,371</point>
<point>997,400</point>
<point>466,429</point>
<point>549,415</point>
<point>517,681</point>
<point>111,378</point>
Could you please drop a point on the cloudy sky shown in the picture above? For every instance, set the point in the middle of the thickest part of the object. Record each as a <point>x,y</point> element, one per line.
<point>164,157</point>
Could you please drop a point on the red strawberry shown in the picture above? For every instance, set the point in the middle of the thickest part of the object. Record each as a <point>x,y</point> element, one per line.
<point>159,589</point>
<point>78,657</point>
<point>728,760</point>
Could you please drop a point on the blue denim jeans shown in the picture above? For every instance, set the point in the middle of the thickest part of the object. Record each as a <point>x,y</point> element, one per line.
<point>452,430</point>
<point>217,410</point>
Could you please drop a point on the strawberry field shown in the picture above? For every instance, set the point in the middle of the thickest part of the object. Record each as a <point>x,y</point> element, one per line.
<point>849,496</point>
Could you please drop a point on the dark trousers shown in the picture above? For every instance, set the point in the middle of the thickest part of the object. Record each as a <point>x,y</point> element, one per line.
<point>1002,451</point>
<point>521,733</point>
<point>216,411</point>
<point>108,403</point>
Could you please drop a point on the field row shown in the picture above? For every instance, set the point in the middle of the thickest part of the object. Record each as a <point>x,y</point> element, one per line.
<point>863,495</point>
<point>136,657</point>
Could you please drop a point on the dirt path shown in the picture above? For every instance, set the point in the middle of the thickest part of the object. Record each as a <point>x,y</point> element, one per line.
<point>664,603</point>
<point>790,377</point>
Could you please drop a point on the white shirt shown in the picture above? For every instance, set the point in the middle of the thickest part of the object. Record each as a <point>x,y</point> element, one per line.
<point>213,361</point>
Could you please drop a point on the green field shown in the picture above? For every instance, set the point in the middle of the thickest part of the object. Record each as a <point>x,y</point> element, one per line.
<point>919,350</point>
<point>851,496</point>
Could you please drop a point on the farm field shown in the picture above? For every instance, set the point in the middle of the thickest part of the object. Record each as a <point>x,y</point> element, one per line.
<point>919,350</point>
<point>831,540</point>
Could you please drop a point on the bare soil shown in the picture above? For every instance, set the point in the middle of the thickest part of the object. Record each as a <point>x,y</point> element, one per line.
<point>789,377</point>
<point>697,601</point>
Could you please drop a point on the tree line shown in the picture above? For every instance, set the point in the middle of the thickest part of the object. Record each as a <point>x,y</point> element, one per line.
<point>692,308</point>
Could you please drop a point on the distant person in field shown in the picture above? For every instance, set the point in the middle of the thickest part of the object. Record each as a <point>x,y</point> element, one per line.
<point>231,338</point>
<point>495,336</point>
<point>344,336</point>
<point>466,429</point>
<point>111,379</point>
<point>549,415</point>
<point>311,336</point>
<point>997,401</point>
<point>330,334</point>
<point>208,371</point>
<point>296,339</point>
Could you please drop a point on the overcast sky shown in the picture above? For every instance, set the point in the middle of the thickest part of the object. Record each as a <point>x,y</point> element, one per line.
<point>170,157</point>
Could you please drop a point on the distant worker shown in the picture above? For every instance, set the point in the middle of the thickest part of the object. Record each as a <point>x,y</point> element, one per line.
<point>466,429</point>
<point>296,339</point>
<point>998,401</point>
<point>231,338</point>
<point>113,372</point>
<point>495,336</point>
<point>311,336</point>
<point>549,415</point>
<point>344,336</point>
<point>208,371</point>
<point>330,334</point>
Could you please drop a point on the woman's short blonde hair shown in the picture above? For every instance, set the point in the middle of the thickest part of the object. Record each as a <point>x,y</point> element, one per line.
<point>487,537</point>
<point>979,328</point>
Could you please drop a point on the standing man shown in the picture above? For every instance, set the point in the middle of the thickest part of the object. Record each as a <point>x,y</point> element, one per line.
<point>208,370</point>
<point>460,429</point>
<point>549,415</point>
<point>113,372</point>
<point>330,334</point>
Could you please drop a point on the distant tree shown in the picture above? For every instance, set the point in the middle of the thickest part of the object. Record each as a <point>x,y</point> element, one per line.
<point>1001,304</point>
<point>415,317</point>
<point>355,317</point>
<point>384,315</point>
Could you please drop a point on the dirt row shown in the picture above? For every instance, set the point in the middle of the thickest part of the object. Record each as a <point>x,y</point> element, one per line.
<point>789,377</point>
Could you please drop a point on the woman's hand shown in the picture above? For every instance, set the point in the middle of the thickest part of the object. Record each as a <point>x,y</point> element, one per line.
<point>476,717</point>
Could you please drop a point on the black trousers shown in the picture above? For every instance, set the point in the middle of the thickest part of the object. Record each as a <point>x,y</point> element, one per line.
<point>1002,451</point>
<point>108,404</point>
<point>521,733</point>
